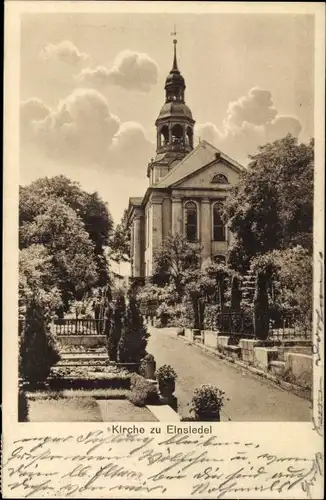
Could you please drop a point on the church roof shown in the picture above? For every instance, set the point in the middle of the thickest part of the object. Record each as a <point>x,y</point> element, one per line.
<point>136,201</point>
<point>203,154</point>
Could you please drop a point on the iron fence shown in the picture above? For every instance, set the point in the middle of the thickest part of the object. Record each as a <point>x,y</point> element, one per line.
<point>241,325</point>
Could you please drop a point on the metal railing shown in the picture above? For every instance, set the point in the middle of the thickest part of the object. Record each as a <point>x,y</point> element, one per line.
<point>287,327</point>
<point>78,327</point>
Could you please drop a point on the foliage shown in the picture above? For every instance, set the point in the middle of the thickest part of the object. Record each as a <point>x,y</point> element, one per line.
<point>133,341</point>
<point>166,373</point>
<point>22,404</point>
<point>261,309</point>
<point>115,325</point>
<point>62,233</point>
<point>220,276</point>
<point>272,205</point>
<point>142,392</point>
<point>38,352</point>
<point>236,294</point>
<point>37,280</point>
<point>175,257</point>
<point>151,294</point>
<point>74,227</point>
<point>210,316</point>
<point>291,273</point>
<point>207,401</point>
<point>120,240</point>
<point>89,207</point>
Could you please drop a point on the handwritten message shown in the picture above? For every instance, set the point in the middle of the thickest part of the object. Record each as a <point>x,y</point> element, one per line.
<point>145,463</point>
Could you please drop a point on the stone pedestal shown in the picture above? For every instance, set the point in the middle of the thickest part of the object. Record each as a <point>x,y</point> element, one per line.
<point>263,356</point>
<point>247,349</point>
<point>300,366</point>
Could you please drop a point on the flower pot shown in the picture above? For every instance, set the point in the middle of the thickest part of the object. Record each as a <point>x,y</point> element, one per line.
<point>208,416</point>
<point>167,387</point>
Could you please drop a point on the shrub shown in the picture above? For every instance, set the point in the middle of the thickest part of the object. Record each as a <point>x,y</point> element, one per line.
<point>38,352</point>
<point>22,405</point>
<point>133,341</point>
<point>261,312</point>
<point>142,391</point>
<point>115,325</point>
<point>207,402</point>
<point>166,373</point>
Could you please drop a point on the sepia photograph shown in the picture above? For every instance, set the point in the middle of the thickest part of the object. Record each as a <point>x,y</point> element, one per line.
<point>163,237</point>
<point>166,217</point>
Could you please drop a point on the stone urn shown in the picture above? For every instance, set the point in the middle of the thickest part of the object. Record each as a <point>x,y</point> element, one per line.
<point>149,366</point>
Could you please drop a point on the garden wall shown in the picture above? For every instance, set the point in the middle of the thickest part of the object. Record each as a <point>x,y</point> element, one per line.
<point>82,340</point>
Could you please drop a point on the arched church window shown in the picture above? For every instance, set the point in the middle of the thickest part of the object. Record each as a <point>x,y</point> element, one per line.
<point>218,224</point>
<point>164,135</point>
<point>220,179</point>
<point>191,220</point>
<point>189,136</point>
<point>177,134</point>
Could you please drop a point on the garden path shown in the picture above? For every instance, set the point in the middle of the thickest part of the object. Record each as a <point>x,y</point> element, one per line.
<point>251,398</point>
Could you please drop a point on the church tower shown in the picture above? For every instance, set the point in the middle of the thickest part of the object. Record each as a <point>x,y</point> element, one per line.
<point>174,125</point>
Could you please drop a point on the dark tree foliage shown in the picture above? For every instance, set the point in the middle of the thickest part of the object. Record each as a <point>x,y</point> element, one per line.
<point>38,352</point>
<point>117,320</point>
<point>261,313</point>
<point>173,260</point>
<point>133,342</point>
<point>272,206</point>
<point>36,198</point>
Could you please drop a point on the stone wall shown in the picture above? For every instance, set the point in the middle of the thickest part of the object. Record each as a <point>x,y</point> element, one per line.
<point>82,340</point>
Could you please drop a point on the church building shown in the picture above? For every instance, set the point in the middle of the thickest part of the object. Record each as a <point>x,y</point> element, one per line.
<point>187,186</point>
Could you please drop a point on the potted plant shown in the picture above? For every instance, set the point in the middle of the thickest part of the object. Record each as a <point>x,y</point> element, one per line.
<point>166,378</point>
<point>207,402</point>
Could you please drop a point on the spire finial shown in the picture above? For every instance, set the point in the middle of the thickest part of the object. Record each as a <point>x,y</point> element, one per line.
<point>175,41</point>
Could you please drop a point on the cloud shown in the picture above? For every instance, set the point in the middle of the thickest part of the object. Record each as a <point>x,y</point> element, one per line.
<point>130,70</point>
<point>64,51</point>
<point>82,131</point>
<point>251,121</point>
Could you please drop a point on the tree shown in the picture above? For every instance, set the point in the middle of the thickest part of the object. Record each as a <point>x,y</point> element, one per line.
<point>114,331</point>
<point>261,307</point>
<point>173,260</point>
<point>37,278</point>
<point>62,233</point>
<point>133,341</point>
<point>93,212</point>
<point>272,206</point>
<point>290,272</point>
<point>120,240</point>
<point>38,352</point>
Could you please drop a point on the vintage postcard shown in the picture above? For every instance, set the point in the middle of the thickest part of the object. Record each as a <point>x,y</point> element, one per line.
<point>163,250</point>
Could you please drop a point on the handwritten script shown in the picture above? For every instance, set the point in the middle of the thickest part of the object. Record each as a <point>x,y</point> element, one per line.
<point>101,464</point>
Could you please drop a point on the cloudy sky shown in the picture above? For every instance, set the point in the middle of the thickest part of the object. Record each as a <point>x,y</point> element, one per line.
<point>92,86</point>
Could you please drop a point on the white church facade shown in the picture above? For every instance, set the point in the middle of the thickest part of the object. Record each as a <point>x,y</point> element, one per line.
<point>187,186</point>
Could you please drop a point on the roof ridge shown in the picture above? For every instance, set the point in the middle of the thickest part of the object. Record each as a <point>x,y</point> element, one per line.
<point>179,163</point>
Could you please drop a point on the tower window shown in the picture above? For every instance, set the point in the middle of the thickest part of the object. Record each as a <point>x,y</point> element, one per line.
<point>189,137</point>
<point>191,220</point>
<point>164,135</point>
<point>220,179</point>
<point>177,134</point>
<point>218,224</point>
